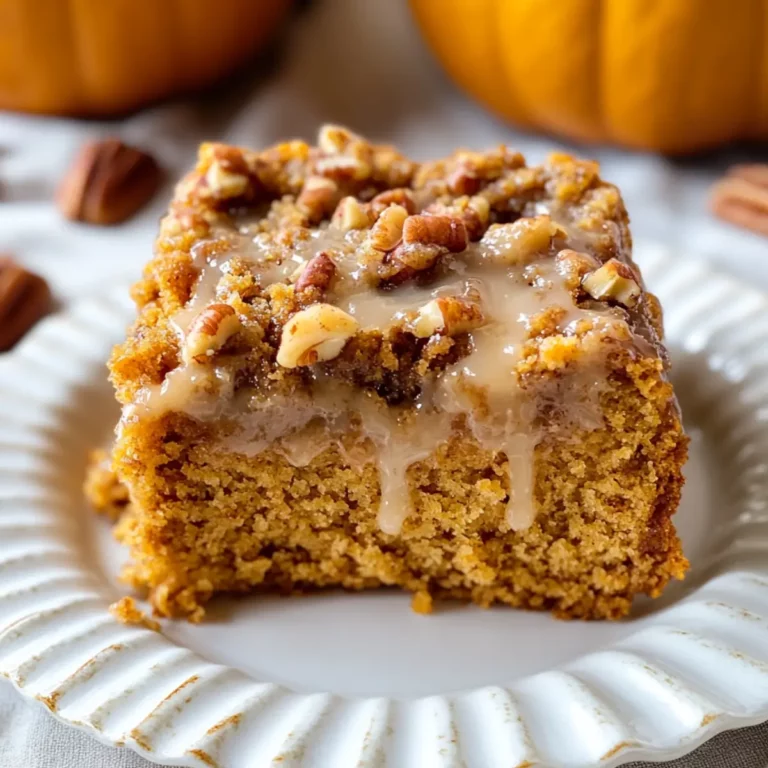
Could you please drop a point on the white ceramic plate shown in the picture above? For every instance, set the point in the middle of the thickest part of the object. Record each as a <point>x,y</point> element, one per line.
<point>341,680</point>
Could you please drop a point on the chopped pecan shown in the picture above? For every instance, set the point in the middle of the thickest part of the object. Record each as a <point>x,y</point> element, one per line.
<point>451,315</point>
<point>345,156</point>
<point>464,181</point>
<point>407,262</point>
<point>317,274</point>
<point>417,256</point>
<point>209,331</point>
<point>318,198</point>
<point>444,231</point>
<point>475,212</point>
<point>351,214</point>
<point>401,197</point>
<point>470,171</point>
<point>314,335</point>
<point>614,280</point>
<point>24,298</point>
<point>387,233</point>
<point>107,183</point>
<point>425,240</point>
<point>343,168</point>
<point>523,240</point>
<point>393,272</point>
<point>227,176</point>
<point>573,265</point>
<point>335,139</point>
<point>476,217</point>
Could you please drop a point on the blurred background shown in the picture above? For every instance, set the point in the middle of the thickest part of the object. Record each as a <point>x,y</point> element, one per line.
<point>666,97</point>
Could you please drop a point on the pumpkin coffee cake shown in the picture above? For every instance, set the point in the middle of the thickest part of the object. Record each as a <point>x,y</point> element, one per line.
<point>350,369</point>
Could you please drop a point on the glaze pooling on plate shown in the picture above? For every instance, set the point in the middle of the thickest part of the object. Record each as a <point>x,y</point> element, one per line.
<point>693,665</point>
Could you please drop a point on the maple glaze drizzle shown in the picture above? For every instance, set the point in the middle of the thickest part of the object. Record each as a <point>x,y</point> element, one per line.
<point>482,388</point>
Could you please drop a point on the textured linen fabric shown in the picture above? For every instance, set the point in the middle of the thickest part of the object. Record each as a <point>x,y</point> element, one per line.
<point>352,62</point>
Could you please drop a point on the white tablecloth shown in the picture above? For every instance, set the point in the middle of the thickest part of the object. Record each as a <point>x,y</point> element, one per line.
<point>352,62</point>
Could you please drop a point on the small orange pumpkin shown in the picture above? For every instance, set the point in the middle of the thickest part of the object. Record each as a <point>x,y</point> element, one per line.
<point>101,57</point>
<point>668,75</point>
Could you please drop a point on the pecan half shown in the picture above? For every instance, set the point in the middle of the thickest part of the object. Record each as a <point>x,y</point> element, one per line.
<point>107,183</point>
<point>24,298</point>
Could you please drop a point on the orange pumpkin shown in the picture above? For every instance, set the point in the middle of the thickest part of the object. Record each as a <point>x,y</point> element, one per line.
<point>100,57</point>
<point>669,75</point>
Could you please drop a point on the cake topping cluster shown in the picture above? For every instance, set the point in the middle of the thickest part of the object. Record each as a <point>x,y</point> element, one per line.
<point>315,335</point>
<point>614,280</point>
<point>404,302</point>
<point>208,332</point>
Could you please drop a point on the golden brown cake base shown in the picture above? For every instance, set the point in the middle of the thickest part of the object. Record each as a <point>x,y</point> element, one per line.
<point>227,522</point>
<point>208,519</point>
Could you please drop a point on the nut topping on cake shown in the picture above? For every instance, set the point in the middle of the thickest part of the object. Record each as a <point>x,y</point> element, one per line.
<point>317,274</point>
<point>393,197</point>
<point>475,212</point>
<point>349,215</point>
<point>387,232</point>
<point>524,240</point>
<point>449,314</point>
<point>223,183</point>
<point>315,335</point>
<point>209,331</point>
<point>614,280</point>
<point>334,140</point>
<point>448,232</point>
<point>318,197</point>
<point>345,155</point>
<point>573,265</point>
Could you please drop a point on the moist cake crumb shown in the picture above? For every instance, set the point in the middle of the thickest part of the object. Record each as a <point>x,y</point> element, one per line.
<point>353,370</point>
<point>421,602</point>
<point>106,493</point>
<point>126,611</point>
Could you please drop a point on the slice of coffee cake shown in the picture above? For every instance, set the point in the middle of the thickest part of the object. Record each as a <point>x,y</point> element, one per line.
<point>350,369</point>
